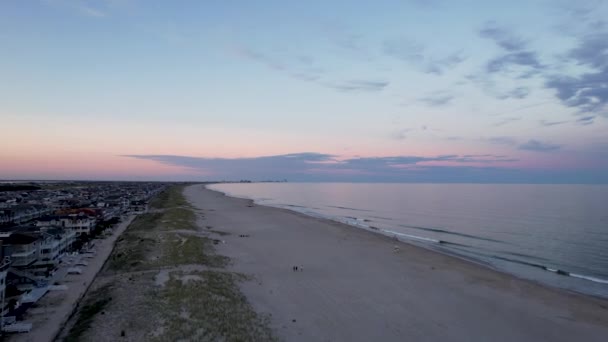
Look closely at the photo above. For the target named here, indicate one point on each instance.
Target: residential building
(22, 213)
(5, 263)
(79, 223)
(22, 248)
(6, 217)
(55, 242)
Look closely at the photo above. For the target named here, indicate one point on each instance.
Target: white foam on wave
(580, 276)
(593, 279)
(414, 237)
(352, 221)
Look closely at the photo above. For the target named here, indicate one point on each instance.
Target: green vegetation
(210, 307)
(196, 301)
(179, 218)
(170, 198)
(135, 243)
(155, 240)
(93, 305)
(184, 250)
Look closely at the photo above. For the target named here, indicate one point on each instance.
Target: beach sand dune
(356, 286)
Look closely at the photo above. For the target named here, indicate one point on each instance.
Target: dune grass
(210, 307)
(170, 198)
(197, 305)
(93, 305)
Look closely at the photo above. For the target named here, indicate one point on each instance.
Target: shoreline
(437, 249)
(545, 301)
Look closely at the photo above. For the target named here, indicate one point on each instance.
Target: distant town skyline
(393, 91)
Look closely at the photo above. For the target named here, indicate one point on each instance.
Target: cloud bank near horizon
(320, 167)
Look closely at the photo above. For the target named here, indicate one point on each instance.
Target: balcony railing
(23, 254)
(5, 264)
(23, 261)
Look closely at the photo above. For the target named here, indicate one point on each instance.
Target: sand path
(355, 287)
(54, 309)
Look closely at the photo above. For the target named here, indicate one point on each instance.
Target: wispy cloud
(438, 99)
(488, 84)
(504, 63)
(352, 43)
(502, 37)
(414, 53)
(405, 49)
(516, 53)
(349, 43)
(583, 15)
(516, 93)
(258, 57)
(442, 64)
(587, 92)
(508, 141)
(302, 68)
(523, 108)
(547, 123)
(359, 85)
(507, 121)
(586, 120)
(539, 146)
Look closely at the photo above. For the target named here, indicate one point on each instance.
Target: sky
(372, 91)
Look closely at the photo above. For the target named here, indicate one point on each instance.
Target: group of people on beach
(297, 268)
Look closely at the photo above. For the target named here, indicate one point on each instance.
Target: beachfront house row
(21, 248)
(80, 224)
(19, 214)
(49, 221)
(36, 251)
(54, 243)
(4, 266)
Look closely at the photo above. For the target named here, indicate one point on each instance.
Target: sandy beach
(54, 309)
(354, 285)
(204, 266)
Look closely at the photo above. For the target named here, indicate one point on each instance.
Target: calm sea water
(555, 234)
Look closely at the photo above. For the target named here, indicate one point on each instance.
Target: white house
(80, 224)
(55, 242)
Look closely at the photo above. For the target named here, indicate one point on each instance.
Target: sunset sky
(419, 90)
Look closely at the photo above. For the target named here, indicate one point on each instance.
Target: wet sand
(355, 285)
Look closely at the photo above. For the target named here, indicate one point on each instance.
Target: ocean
(553, 234)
